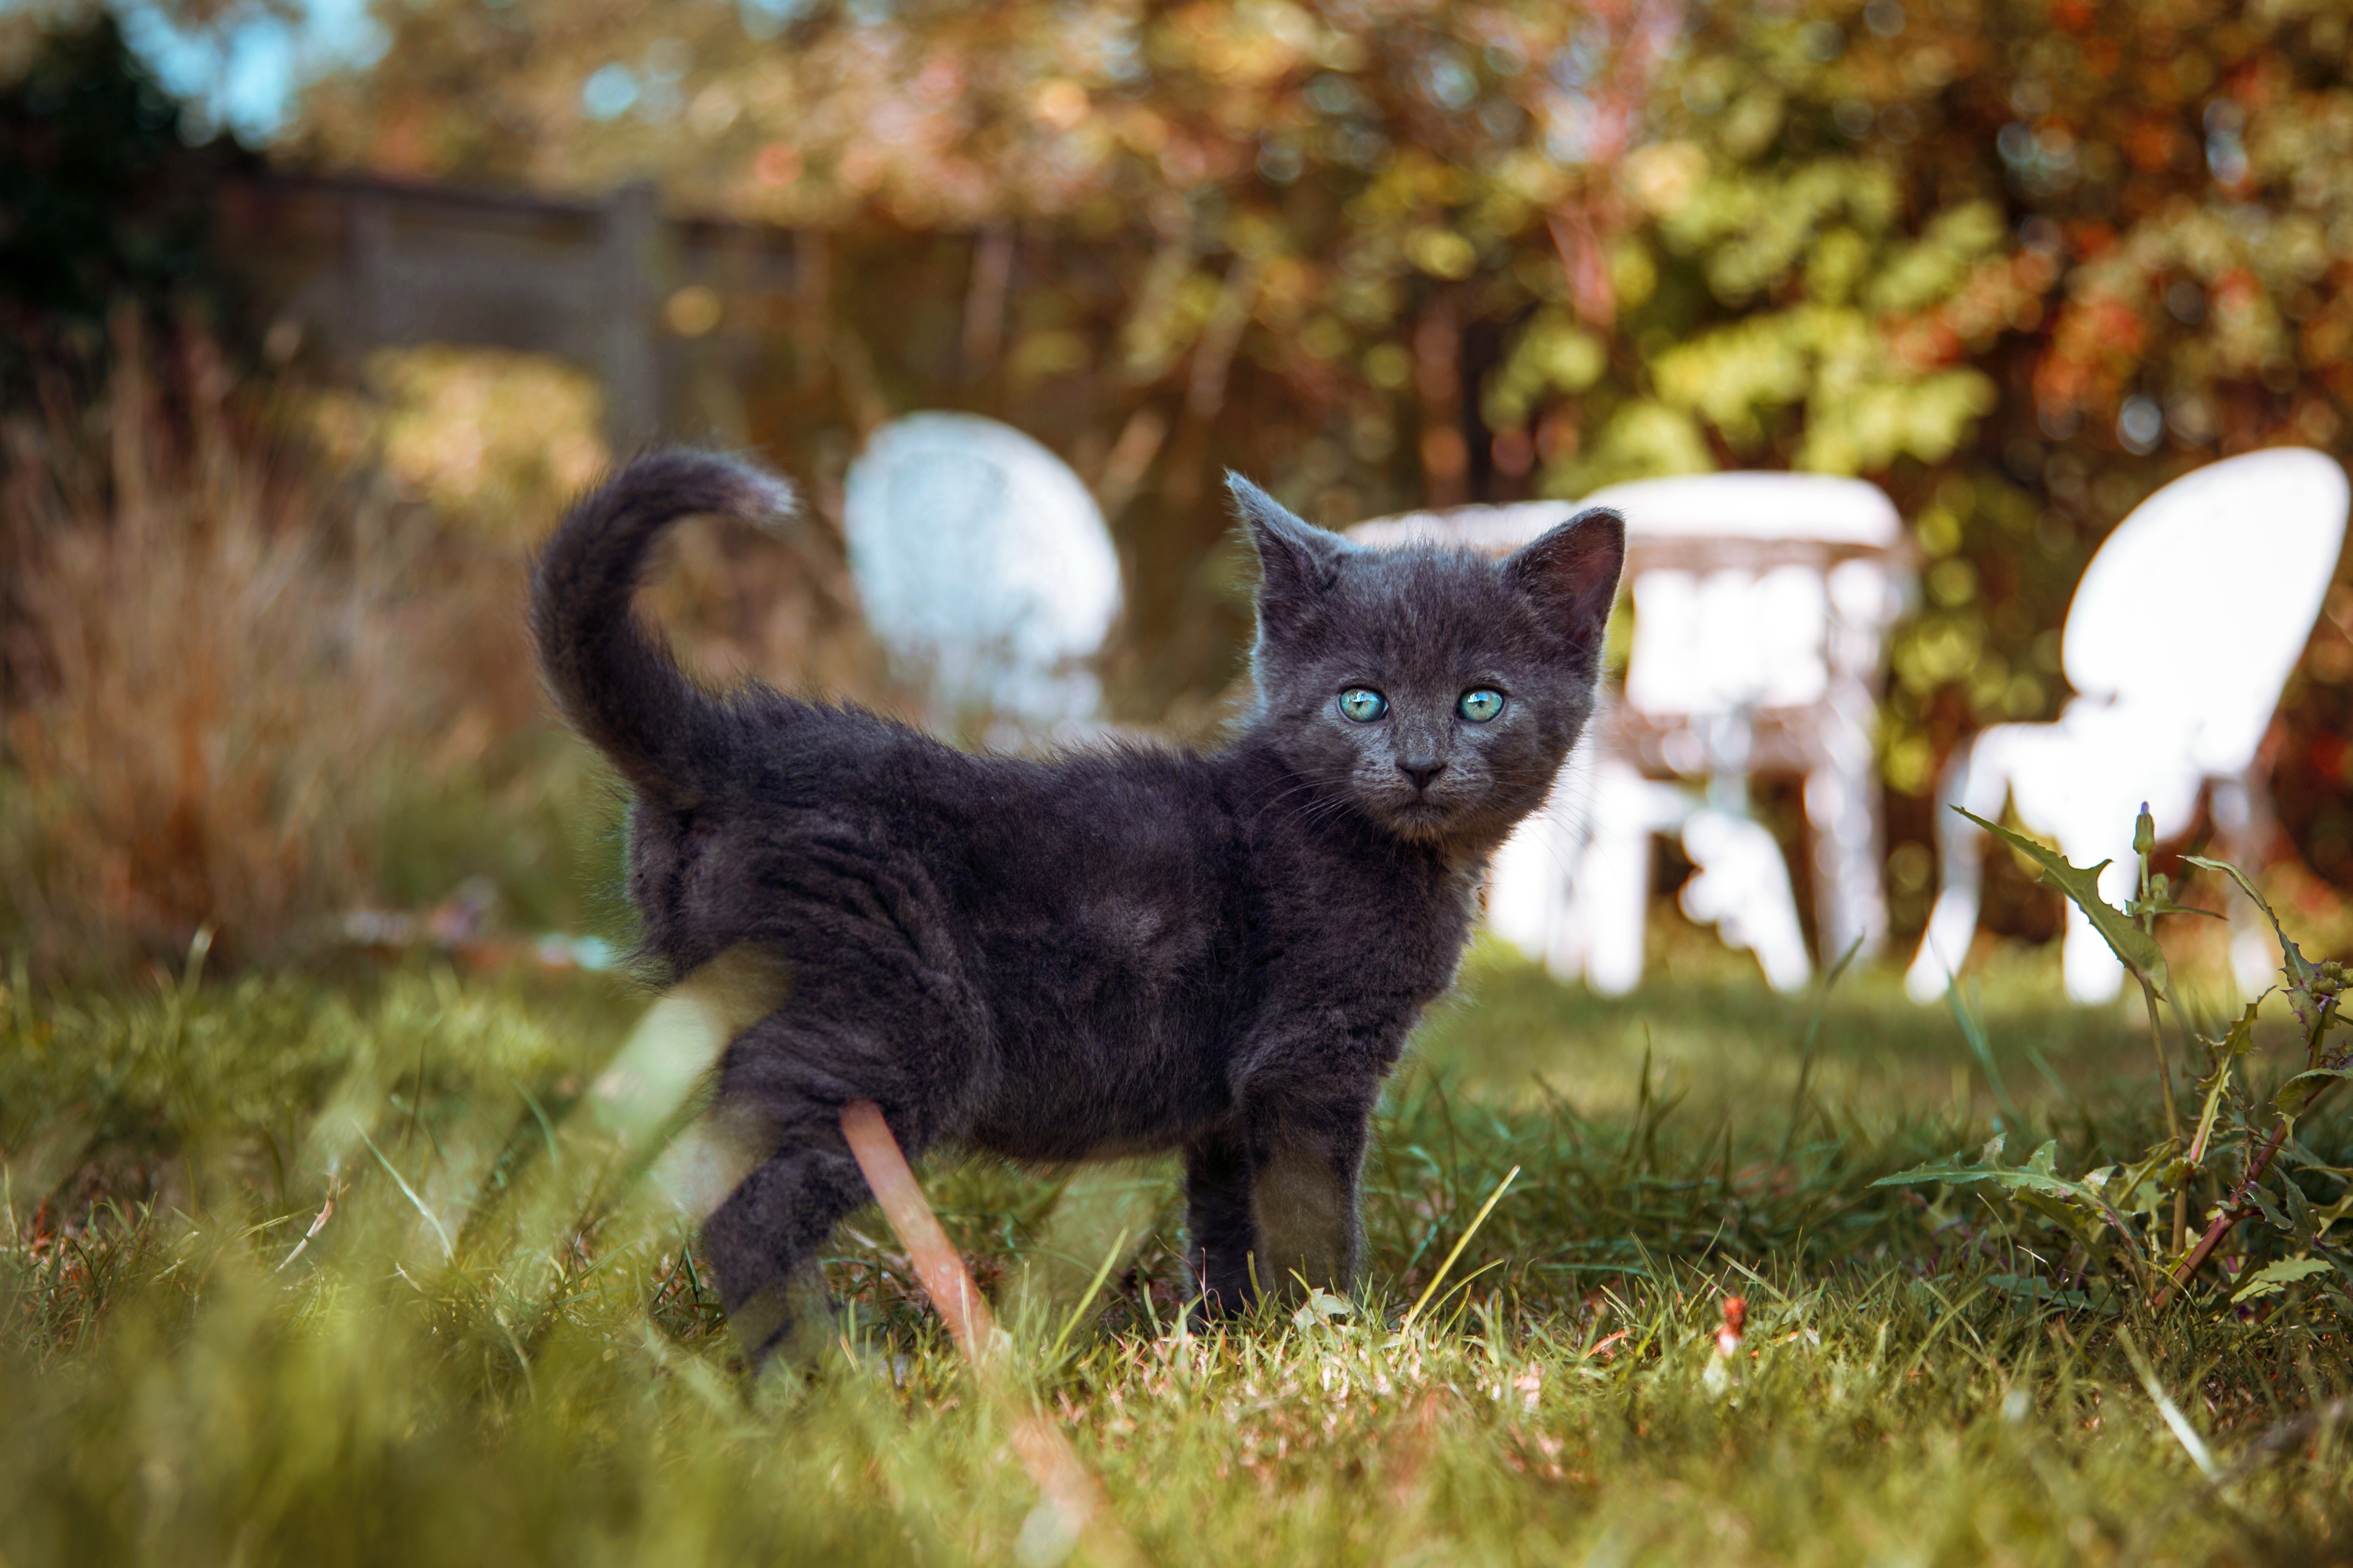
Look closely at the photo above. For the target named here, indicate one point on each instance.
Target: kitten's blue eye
(1363, 704)
(1481, 705)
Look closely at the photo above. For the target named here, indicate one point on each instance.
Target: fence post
(628, 262)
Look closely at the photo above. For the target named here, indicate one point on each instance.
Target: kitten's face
(1439, 691)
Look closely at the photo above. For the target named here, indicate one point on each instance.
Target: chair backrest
(1712, 642)
(2198, 607)
(1818, 507)
(1492, 529)
(1720, 624)
(982, 564)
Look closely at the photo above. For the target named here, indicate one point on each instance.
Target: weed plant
(296, 1273)
(2126, 1225)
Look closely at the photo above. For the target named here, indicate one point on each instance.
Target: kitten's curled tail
(613, 679)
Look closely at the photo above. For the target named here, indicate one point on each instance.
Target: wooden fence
(613, 287)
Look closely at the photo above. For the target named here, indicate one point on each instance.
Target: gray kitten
(1105, 954)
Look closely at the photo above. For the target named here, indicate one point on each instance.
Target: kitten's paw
(792, 1322)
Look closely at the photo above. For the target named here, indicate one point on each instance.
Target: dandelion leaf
(2075, 1205)
(2263, 1200)
(2300, 971)
(2298, 1091)
(2136, 947)
(2273, 1278)
(2239, 1037)
(2299, 1213)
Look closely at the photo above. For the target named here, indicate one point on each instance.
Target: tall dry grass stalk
(258, 671)
(217, 665)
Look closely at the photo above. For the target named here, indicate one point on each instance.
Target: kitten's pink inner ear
(1572, 572)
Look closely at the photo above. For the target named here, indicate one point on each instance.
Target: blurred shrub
(490, 440)
(234, 684)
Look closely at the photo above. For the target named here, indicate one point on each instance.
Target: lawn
(323, 1272)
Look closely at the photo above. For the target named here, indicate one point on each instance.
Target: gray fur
(1108, 954)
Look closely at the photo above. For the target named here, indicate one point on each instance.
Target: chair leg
(1613, 874)
(1613, 884)
(1849, 906)
(2243, 821)
(1960, 850)
(2092, 972)
(1743, 888)
(1528, 897)
(1952, 926)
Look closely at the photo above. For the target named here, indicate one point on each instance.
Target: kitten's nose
(1420, 770)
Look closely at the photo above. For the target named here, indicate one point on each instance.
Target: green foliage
(2018, 263)
(2077, 1209)
(2236, 1126)
(1836, 225)
(2273, 1278)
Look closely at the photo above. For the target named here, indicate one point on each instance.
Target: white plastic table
(1761, 602)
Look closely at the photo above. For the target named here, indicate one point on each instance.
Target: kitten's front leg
(1274, 1201)
(1309, 1159)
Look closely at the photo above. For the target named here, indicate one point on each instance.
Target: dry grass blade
(2175, 1422)
(1071, 1488)
(1439, 1277)
(1094, 1287)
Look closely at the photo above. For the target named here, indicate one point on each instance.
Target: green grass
(508, 1352)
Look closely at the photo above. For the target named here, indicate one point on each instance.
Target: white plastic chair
(984, 567)
(2180, 636)
(1760, 602)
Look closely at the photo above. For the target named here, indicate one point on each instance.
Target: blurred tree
(102, 198)
(2019, 260)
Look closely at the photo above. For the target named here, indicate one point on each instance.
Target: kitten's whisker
(1297, 785)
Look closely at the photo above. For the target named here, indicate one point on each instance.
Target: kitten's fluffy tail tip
(715, 482)
(765, 497)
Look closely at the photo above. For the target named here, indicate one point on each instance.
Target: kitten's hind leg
(764, 1243)
(1221, 1241)
(794, 1072)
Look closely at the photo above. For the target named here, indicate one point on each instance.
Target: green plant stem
(2238, 1207)
(2143, 840)
(2172, 1113)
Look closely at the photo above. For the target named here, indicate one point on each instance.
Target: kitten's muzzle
(1422, 771)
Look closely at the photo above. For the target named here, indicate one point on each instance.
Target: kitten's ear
(1571, 573)
(1297, 561)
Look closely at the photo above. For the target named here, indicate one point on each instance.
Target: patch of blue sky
(244, 70)
(609, 92)
(766, 18)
